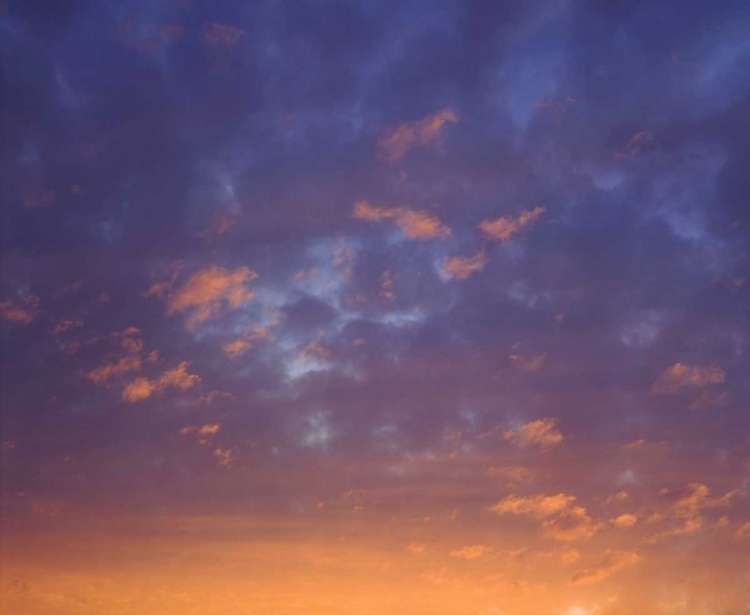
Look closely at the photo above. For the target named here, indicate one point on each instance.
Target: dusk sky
(375, 307)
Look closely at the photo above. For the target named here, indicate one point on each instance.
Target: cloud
(687, 506)
(540, 506)
(417, 225)
(681, 376)
(397, 142)
(614, 562)
(572, 524)
(473, 552)
(110, 370)
(625, 520)
(416, 548)
(364, 211)
(138, 390)
(420, 225)
(206, 292)
(239, 346)
(504, 228)
(142, 388)
(225, 458)
(542, 432)
(66, 324)
(743, 531)
(562, 520)
(24, 311)
(462, 267)
(209, 429)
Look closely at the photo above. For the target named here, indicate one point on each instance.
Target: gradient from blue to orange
(375, 308)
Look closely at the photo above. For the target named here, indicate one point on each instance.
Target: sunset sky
(378, 307)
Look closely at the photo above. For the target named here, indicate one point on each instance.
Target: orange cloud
(462, 267)
(239, 346)
(687, 505)
(540, 506)
(562, 520)
(178, 378)
(504, 228)
(572, 524)
(110, 370)
(207, 291)
(743, 531)
(364, 211)
(473, 552)
(625, 520)
(681, 376)
(225, 458)
(414, 224)
(24, 311)
(210, 429)
(613, 563)
(542, 432)
(420, 225)
(65, 324)
(397, 142)
(142, 388)
(138, 390)
(415, 548)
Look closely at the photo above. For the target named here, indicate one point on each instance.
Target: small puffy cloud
(625, 520)
(221, 35)
(397, 142)
(743, 531)
(239, 346)
(504, 228)
(417, 225)
(23, 311)
(178, 378)
(463, 267)
(542, 432)
(364, 211)
(614, 561)
(206, 293)
(210, 429)
(421, 225)
(110, 370)
(573, 523)
(472, 552)
(225, 458)
(66, 324)
(680, 376)
(138, 390)
(540, 506)
(142, 388)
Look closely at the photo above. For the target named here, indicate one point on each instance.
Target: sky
(425, 307)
